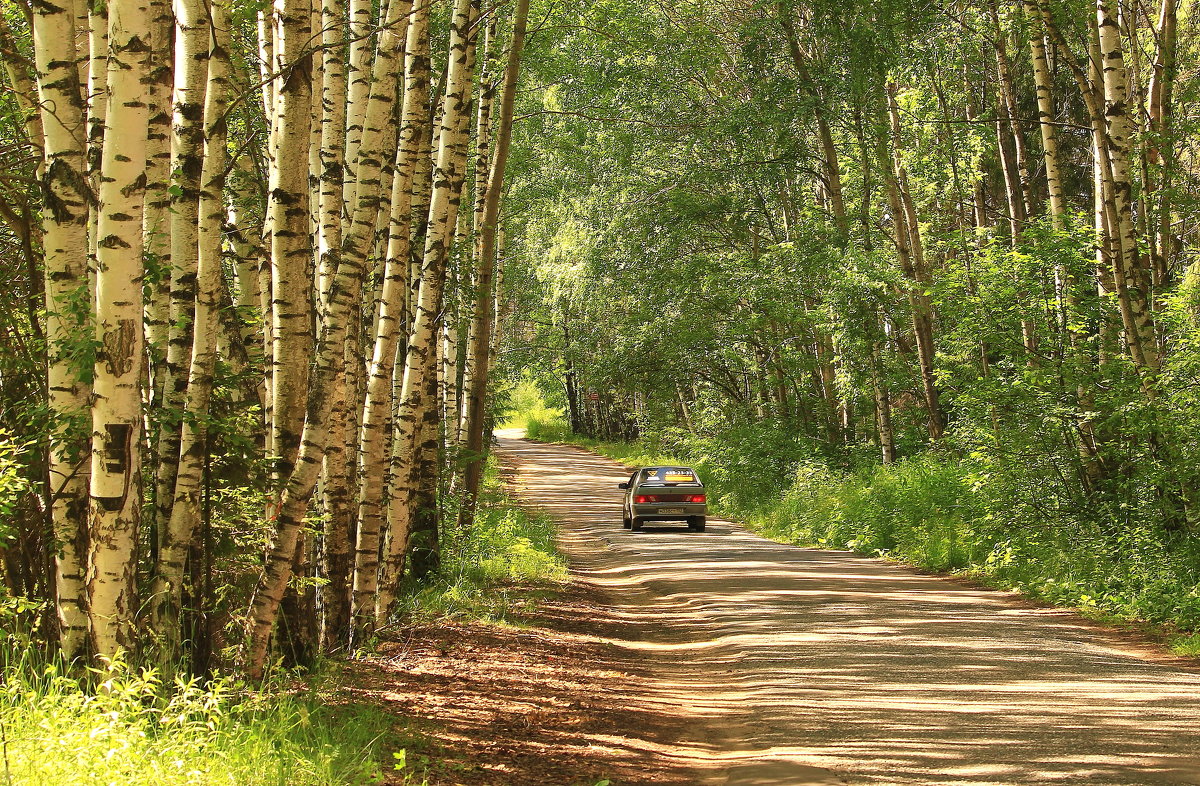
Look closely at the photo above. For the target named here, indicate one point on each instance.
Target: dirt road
(796, 666)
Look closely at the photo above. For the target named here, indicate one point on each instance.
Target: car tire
(625, 522)
(696, 524)
(636, 524)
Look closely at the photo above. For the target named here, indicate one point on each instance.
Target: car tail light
(696, 498)
(642, 499)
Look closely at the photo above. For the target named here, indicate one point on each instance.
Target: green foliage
(132, 729)
(488, 568)
(15, 483)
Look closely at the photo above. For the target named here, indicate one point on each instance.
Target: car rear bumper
(669, 511)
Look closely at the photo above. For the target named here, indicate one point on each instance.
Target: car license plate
(670, 510)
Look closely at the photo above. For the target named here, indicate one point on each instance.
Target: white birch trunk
(481, 332)
(376, 142)
(67, 196)
(156, 232)
(418, 395)
(1130, 283)
(185, 510)
(192, 39)
(409, 209)
(288, 218)
(116, 410)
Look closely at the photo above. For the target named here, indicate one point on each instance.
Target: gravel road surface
(799, 666)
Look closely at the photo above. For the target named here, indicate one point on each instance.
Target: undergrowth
(493, 570)
(122, 725)
(943, 513)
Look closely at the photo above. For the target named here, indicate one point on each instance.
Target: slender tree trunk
(288, 216)
(484, 307)
(1130, 283)
(368, 169)
(67, 197)
(192, 43)
(116, 411)
(345, 292)
(415, 147)
(1161, 145)
(420, 372)
(912, 258)
(185, 516)
(833, 172)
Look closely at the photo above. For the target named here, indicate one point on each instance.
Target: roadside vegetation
(501, 564)
(127, 724)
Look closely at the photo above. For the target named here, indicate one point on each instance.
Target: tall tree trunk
(375, 143)
(156, 229)
(1131, 284)
(345, 292)
(192, 45)
(67, 197)
(377, 409)
(484, 316)
(910, 249)
(415, 147)
(335, 554)
(420, 372)
(116, 411)
(185, 516)
(288, 217)
(1161, 145)
(833, 171)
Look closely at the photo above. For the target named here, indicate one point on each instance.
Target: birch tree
(481, 331)
(116, 410)
(185, 510)
(67, 198)
(418, 525)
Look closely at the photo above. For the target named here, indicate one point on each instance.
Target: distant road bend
(798, 666)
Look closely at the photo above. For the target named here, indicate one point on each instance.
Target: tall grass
(130, 729)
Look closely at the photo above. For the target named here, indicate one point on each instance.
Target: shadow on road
(807, 666)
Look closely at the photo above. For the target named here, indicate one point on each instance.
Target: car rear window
(669, 475)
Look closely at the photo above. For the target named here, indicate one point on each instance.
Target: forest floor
(723, 658)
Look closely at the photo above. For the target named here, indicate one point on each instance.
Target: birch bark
(415, 522)
(484, 312)
(288, 218)
(377, 140)
(192, 40)
(378, 405)
(116, 408)
(67, 198)
(1131, 286)
(403, 246)
(420, 379)
(185, 510)
(345, 291)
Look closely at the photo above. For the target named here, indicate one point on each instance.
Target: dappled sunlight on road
(808, 666)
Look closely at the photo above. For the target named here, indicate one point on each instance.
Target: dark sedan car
(664, 494)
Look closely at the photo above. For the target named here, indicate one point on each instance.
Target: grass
(493, 571)
(133, 730)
